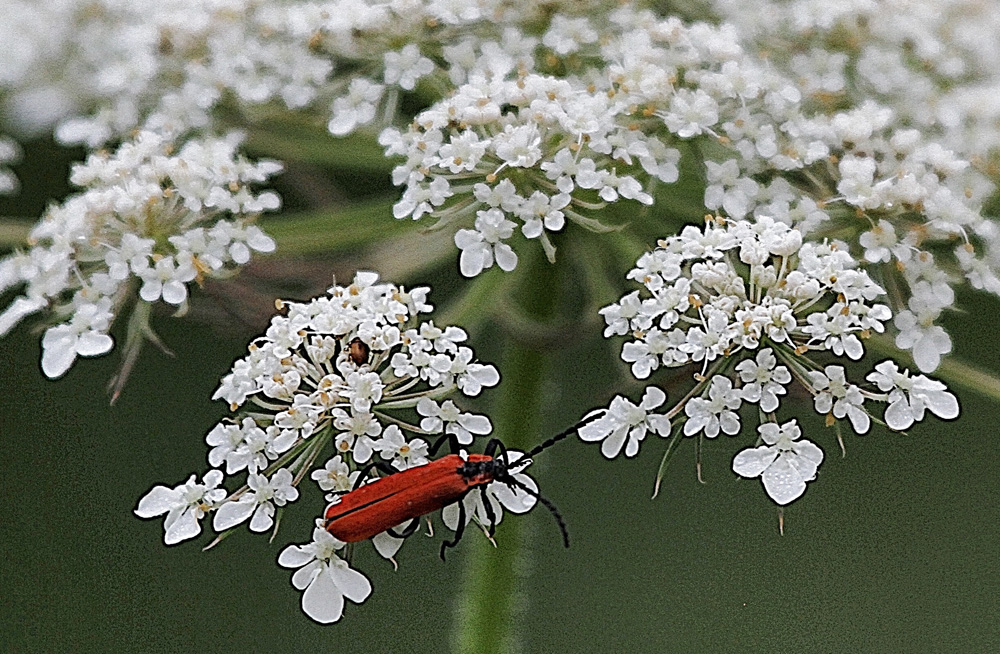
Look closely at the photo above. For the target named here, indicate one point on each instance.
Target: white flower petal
(449, 516)
(752, 461)
(305, 575)
(263, 517)
(93, 343)
(596, 430)
(783, 482)
(174, 292)
(506, 258)
(612, 445)
(231, 514)
(943, 405)
(652, 398)
(387, 545)
(515, 500)
(294, 556)
(185, 527)
(475, 424)
(157, 501)
(354, 585)
(323, 601)
(898, 415)
(58, 353)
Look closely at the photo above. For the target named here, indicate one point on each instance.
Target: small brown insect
(358, 351)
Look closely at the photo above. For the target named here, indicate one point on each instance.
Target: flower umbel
(149, 219)
(752, 306)
(333, 384)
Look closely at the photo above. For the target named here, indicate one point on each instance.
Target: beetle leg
(488, 508)
(503, 452)
(407, 531)
(491, 446)
(459, 531)
(451, 439)
(381, 466)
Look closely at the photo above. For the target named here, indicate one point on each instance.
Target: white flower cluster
(529, 149)
(735, 284)
(934, 63)
(517, 149)
(908, 91)
(737, 298)
(335, 377)
(547, 113)
(147, 219)
(97, 71)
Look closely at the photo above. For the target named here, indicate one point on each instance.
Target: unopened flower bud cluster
(350, 378)
(754, 308)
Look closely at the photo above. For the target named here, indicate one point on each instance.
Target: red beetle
(400, 497)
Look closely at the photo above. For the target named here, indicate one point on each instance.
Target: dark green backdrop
(893, 548)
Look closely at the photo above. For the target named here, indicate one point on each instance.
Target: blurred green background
(893, 548)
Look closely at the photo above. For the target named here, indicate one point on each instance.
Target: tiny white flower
(363, 389)
(84, 335)
(485, 244)
(185, 505)
(166, 279)
(259, 502)
(448, 419)
(763, 381)
(838, 397)
(625, 424)
(784, 464)
(394, 446)
(224, 439)
(358, 428)
(717, 412)
(335, 475)
(324, 576)
(909, 397)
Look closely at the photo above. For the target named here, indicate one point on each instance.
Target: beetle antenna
(587, 419)
(548, 505)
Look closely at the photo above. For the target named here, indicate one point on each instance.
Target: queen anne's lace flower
(625, 424)
(185, 505)
(146, 216)
(747, 304)
(736, 284)
(351, 372)
(910, 396)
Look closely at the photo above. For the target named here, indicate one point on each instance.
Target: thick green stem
(487, 616)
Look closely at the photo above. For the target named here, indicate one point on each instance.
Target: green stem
(969, 378)
(488, 614)
(335, 229)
